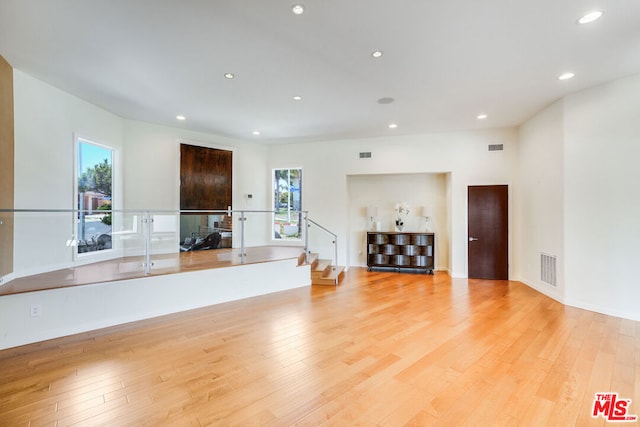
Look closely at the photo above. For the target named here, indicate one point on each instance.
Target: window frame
(280, 235)
(105, 253)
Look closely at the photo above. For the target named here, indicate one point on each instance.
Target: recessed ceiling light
(297, 98)
(229, 75)
(376, 53)
(297, 9)
(481, 116)
(590, 17)
(565, 76)
(256, 132)
(385, 100)
(181, 117)
(393, 126)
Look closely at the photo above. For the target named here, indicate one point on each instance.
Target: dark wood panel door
(205, 177)
(488, 232)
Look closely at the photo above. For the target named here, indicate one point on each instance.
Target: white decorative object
(372, 213)
(425, 212)
(402, 210)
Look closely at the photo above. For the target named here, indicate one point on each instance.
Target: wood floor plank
(382, 348)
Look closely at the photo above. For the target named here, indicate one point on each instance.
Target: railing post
(306, 237)
(242, 220)
(147, 244)
(335, 254)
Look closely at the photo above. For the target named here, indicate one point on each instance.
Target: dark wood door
(205, 177)
(488, 232)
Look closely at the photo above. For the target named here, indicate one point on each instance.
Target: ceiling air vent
(365, 155)
(496, 147)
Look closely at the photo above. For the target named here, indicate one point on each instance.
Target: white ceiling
(444, 62)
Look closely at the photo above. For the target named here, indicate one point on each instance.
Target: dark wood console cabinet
(399, 250)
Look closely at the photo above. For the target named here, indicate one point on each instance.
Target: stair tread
(311, 259)
(327, 276)
(322, 264)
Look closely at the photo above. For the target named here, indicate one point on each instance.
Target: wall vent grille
(496, 147)
(365, 155)
(548, 268)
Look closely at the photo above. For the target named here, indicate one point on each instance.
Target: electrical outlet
(36, 310)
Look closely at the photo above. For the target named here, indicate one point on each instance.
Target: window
(94, 194)
(287, 204)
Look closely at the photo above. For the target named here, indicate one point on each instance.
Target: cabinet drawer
(420, 239)
(410, 250)
(390, 249)
(378, 259)
(421, 261)
(425, 250)
(378, 239)
(400, 239)
(401, 260)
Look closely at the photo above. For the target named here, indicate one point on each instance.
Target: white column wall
(46, 120)
(540, 198)
(602, 199)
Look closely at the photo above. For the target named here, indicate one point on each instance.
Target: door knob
(472, 239)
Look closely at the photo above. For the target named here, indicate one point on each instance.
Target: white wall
(146, 176)
(418, 190)
(146, 172)
(78, 309)
(46, 120)
(577, 198)
(540, 198)
(326, 166)
(602, 199)
(152, 173)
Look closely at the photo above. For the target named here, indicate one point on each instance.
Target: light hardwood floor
(380, 349)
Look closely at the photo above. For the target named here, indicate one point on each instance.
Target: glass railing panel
(182, 240)
(162, 237)
(43, 241)
(128, 232)
(79, 247)
(58, 248)
(201, 230)
(260, 230)
(288, 225)
(322, 242)
(129, 242)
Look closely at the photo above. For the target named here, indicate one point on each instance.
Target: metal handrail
(323, 228)
(335, 244)
(174, 211)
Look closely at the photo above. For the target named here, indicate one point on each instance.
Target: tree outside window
(95, 188)
(287, 204)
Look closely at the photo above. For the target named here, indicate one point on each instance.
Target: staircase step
(325, 274)
(311, 259)
(318, 268)
(301, 259)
